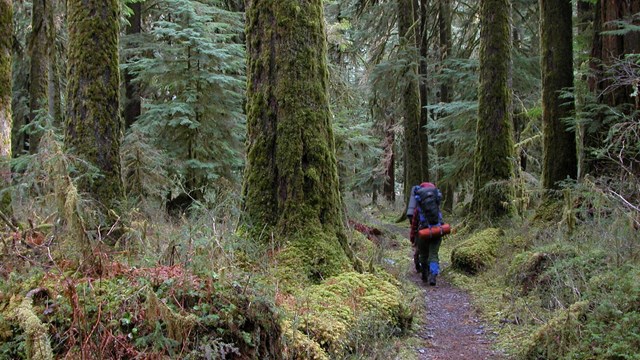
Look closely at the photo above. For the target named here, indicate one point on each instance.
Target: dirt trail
(452, 329)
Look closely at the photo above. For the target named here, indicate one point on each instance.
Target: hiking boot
(432, 279)
(425, 274)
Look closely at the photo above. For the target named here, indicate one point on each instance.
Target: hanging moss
(93, 127)
(494, 155)
(291, 184)
(560, 157)
(6, 35)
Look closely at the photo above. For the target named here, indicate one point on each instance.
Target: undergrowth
(181, 286)
(564, 285)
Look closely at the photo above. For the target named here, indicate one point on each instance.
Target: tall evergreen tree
(93, 128)
(415, 151)
(6, 36)
(291, 186)
(560, 157)
(39, 43)
(493, 159)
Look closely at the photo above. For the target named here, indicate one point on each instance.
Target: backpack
(428, 201)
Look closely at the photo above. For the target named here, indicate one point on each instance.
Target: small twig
(8, 222)
(625, 201)
(95, 326)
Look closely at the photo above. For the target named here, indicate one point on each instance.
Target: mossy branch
(37, 340)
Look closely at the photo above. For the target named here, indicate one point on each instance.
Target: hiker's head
(427, 185)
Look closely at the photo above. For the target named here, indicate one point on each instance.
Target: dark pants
(428, 250)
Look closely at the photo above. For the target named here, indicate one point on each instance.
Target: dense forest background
(208, 179)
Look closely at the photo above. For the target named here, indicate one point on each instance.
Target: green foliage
(190, 64)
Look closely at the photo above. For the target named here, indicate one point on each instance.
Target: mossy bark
(93, 126)
(493, 161)
(422, 42)
(446, 150)
(560, 157)
(415, 151)
(37, 342)
(291, 187)
(39, 42)
(389, 185)
(6, 34)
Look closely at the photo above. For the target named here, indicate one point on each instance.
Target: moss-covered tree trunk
(93, 126)
(133, 105)
(444, 32)
(6, 34)
(493, 160)
(389, 185)
(560, 156)
(414, 153)
(39, 43)
(422, 42)
(291, 188)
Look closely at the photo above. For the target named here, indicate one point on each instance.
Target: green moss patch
(309, 259)
(478, 252)
(341, 310)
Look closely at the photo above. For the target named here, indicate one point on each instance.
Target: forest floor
(452, 328)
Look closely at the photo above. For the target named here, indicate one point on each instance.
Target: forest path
(452, 329)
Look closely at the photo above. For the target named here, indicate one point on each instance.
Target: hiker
(424, 212)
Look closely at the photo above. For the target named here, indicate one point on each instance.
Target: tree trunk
(444, 28)
(93, 127)
(133, 105)
(606, 50)
(41, 28)
(560, 157)
(388, 187)
(423, 46)
(415, 172)
(6, 35)
(493, 161)
(291, 188)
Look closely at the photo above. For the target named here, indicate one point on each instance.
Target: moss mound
(478, 252)
(327, 320)
(526, 270)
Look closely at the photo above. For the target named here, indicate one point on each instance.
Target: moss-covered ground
(554, 291)
(185, 289)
